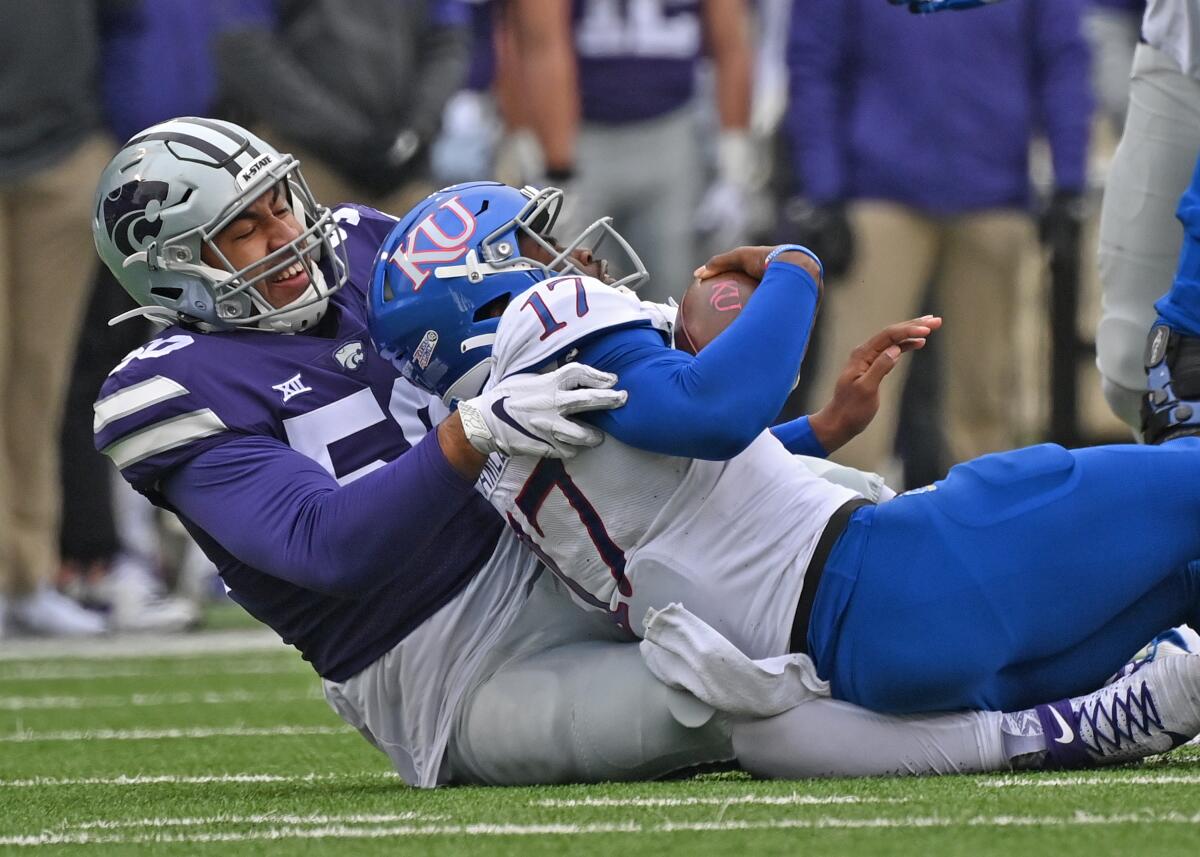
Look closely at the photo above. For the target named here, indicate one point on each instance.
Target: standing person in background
(610, 87)
(51, 147)
(355, 90)
(917, 148)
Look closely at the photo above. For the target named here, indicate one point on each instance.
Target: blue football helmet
(453, 262)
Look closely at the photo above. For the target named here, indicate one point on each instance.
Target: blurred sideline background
(950, 164)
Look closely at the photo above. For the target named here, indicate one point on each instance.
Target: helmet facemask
(239, 302)
(537, 220)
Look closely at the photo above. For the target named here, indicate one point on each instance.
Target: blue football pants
(1022, 577)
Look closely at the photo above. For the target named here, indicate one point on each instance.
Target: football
(709, 306)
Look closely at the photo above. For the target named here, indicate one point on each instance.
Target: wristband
(797, 248)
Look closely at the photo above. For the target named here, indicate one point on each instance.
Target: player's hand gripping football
(856, 394)
(752, 261)
(528, 414)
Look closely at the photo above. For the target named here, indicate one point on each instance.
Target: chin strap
(157, 314)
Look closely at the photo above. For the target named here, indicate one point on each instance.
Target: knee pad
(1125, 403)
(1171, 407)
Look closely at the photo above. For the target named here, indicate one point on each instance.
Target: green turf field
(135, 749)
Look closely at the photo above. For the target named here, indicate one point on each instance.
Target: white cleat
(136, 601)
(1153, 709)
(50, 613)
(1174, 641)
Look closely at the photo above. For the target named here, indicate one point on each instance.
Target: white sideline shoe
(50, 613)
(136, 602)
(1153, 709)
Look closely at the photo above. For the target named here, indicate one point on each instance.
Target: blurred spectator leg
(48, 265)
(87, 532)
(921, 430)
(648, 175)
(897, 250)
(1139, 235)
(977, 288)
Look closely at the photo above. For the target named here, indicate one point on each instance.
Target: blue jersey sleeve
(714, 404)
(281, 513)
(798, 438)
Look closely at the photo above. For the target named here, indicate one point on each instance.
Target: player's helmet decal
(131, 214)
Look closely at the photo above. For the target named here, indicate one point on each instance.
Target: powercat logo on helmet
(247, 176)
(131, 214)
(416, 263)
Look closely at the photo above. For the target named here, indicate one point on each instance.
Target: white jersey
(629, 529)
(1173, 26)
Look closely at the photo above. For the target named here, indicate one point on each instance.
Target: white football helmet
(167, 194)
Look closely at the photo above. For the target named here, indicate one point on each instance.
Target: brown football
(708, 307)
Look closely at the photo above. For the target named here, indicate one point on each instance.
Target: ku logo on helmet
(131, 215)
(417, 263)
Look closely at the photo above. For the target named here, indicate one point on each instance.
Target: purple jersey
(189, 399)
(637, 58)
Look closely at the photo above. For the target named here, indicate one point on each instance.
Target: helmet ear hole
(493, 308)
(171, 293)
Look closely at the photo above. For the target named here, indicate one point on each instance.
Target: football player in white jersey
(689, 500)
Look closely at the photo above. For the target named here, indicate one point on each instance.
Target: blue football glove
(921, 7)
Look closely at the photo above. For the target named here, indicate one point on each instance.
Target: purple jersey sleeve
(280, 512)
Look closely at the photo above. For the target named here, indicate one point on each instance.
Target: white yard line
(266, 818)
(190, 668)
(383, 831)
(1016, 781)
(761, 800)
(44, 703)
(143, 645)
(27, 737)
(189, 780)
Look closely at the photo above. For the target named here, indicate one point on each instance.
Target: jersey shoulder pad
(153, 412)
(553, 317)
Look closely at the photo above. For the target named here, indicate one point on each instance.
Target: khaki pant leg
(978, 290)
(894, 260)
(52, 263)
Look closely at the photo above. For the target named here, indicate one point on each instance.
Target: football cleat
(1151, 710)
(1174, 641)
(1171, 406)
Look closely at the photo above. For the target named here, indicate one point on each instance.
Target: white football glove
(724, 210)
(527, 414)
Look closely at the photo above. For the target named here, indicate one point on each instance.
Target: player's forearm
(713, 405)
(546, 69)
(445, 57)
(728, 31)
(817, 59)
(281, 513)
(1065, 101)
